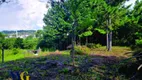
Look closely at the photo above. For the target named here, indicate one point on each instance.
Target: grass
(116, 51)
(8, 55)
(21, 54)
(99, 65)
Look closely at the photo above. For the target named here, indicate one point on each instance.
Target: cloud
(22, 15)
(25, 14)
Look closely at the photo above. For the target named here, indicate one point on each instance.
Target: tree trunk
(73, 43)
(73, 51)
(109, 36)
(107, 41)
(2, 55)
(110, 41)
(86, 41)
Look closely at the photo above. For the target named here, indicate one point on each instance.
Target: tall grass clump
(82, 50)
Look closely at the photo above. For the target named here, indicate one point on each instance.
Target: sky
(24, 14)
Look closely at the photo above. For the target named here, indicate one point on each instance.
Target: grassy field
(20, 53)
(116, 51)
(99, 65)
(15, 54)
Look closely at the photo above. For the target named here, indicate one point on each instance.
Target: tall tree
(109, 18)
(136, 20)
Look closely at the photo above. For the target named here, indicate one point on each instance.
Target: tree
(18, 43)
(2, 38)
(137, 22)
(39, 33)
(80, 18)
(66, 17)
(30, 43)
(109, 18)
(9, 43)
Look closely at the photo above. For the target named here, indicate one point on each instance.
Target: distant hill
(19, 31)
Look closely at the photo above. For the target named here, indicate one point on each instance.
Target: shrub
(92, 45)
(98, 45)
(81, 50)
(30, 43)
(139, 43)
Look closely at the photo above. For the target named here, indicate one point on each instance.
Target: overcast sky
(24, 14)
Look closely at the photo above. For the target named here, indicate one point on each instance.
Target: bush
(98, 45)
(30, 43)
(139, 43)
(81, 50)
(92, 45)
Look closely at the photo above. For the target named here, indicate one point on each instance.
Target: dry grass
(116, 51)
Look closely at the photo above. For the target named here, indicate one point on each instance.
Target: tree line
(107, 22)
(22, 43)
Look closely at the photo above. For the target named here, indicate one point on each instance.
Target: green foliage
(15, 51)
(30, 43)
(39, 34)
(138, 34)
(85, 17)
(2, 37)
(9, 43)
(100, 31)
(82, 50)
(64, 18)
(85, 34)
(139, 43)
(18, 43)
(42, 44)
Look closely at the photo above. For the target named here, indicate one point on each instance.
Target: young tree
(9, 43)
(66, 17)
(2, 38)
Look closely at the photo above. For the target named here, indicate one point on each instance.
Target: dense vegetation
(90, 21)
(85, 27)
